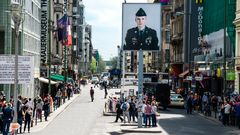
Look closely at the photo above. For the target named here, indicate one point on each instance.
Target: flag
(69, 34)
(62, 28)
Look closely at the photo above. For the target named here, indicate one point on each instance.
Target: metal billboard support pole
(225, 50)
(140, 85)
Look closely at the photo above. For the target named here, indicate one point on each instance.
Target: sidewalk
(41, 125)
(216, 120)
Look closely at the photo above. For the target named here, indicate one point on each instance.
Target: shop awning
(58, 77)
(183, 74)
(44, 80)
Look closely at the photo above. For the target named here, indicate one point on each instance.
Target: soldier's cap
(141, 12)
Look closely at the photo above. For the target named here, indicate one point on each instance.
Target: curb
(140, 130)
(210, 118)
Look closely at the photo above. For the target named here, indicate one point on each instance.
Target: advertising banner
(141, 26)
(25, 69)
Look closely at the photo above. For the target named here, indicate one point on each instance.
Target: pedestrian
(105, 89)
(237, 109)
(154, 112)
(118, 111)
(143, 112)
(39, 106)
(27, 118)
(125, 108)
(46, 109)
(21, 117)
(92, 93)
(148, 113)
(7, 118)
(58, 97)
(1, 117)
(227, 108)
(69, 91)
(189, 103)
(132, 110)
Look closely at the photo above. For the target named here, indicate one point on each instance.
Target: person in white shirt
(154, 111)
(227, 108)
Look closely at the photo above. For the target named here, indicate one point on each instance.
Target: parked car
(176, 100)
(95, 80)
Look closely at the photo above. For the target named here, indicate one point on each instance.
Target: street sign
(189, 78)
(25, 69)
(198, 78)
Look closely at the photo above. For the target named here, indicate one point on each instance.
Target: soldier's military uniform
(145, 39)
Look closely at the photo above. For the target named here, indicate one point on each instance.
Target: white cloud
(105, 16)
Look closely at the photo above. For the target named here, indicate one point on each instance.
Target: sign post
(140, 86)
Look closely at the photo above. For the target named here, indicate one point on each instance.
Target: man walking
(92, 94)
(119, 111)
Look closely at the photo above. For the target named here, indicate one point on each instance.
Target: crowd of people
(224, 108)
(127, 110)
(30, 110)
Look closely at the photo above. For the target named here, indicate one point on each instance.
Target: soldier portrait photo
(141, 36)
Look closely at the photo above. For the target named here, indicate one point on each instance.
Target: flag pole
(65, 48)
(49, 47)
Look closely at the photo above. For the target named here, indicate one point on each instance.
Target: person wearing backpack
(132, 110)
(125, 108)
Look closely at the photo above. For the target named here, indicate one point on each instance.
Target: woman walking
(27, 118)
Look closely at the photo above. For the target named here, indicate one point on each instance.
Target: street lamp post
(16, 17)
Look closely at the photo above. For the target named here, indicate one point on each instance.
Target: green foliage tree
(101, 65)
(113, 62)
(93, 65)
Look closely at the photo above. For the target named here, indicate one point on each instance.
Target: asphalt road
(78, 118)
(177, 122)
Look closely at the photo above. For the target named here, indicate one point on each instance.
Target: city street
(83, 117)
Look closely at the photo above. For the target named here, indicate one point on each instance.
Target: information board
(25, 69)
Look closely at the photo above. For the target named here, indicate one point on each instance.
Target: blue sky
(105, 16)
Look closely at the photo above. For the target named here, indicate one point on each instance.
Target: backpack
(124, 107)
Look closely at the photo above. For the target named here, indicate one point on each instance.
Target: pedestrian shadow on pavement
(116, 133)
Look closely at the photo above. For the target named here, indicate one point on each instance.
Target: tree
(93, 65)
(101, 65)
(113, 62)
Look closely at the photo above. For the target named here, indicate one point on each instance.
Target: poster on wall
(141, 26)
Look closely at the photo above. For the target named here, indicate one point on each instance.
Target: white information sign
(25, 69)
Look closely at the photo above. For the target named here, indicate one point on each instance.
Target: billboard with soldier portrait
(141, 26)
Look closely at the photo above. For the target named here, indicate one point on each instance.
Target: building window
(168, 18)
(167, 40)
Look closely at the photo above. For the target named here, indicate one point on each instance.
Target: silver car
(177, 100)
(95, 80)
